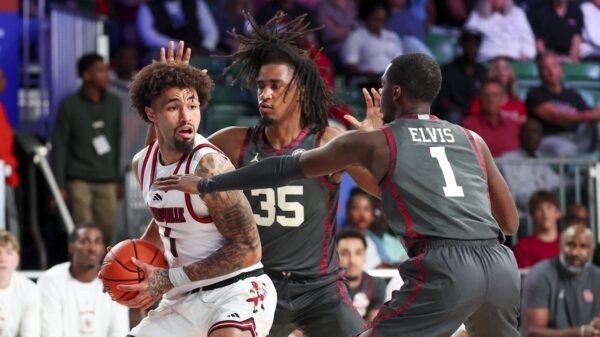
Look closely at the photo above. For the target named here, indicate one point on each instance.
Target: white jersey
(20, 308)
(71, 308)
(186, 229)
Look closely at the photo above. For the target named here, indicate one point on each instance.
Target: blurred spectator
(557, 27)
(461, 79)
(561, 111)
(338, 18)
(86, 146)
(577, 215)
(19, 296)
(370, 48)
(160, 21)
(450, 13)
(291, 7)
(7, 140)
(544, 243)
(229, 18)
(394, 249)
(500, 134)
(590, 35)
(525, 179)
(513, 108)
(505, 29)
(125, 67)
(366, 292)
(562, 295)
(126, 12)
(405, 24)
(360, 217)
(72, 300)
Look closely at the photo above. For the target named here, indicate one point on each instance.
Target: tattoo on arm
(233, 217)
(159, 283)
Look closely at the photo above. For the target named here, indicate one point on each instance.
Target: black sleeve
(535, 26)
(579, 102)
(578, 28)
(534, 99)
(271, 172)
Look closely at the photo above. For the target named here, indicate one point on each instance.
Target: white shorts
(248, 305)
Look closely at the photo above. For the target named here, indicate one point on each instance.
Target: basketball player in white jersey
(215, 285)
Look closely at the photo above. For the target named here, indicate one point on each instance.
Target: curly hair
(157, 77)
(275, 42)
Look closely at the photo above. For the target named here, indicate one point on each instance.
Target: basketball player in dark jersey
(297, 222)
(441, 191)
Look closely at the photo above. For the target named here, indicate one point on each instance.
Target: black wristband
(271, 172)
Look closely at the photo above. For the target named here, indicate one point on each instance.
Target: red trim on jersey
(188, 200)
(244, 148)
(416, 116)
(477, 152)
(274, 152)
(411, 298)
(153, 169)
(150, 147)
(403, 209)
(323, 179)
(389, 136)
(481, 161)
(247, 325)
(328, 232)
(369, 286)
(347, 301)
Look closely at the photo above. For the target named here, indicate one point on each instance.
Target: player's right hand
(593, 329)
(187, 183)
(374, 117)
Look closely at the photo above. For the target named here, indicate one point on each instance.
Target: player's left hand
(187, 183)
(155, 284)
(374, 118)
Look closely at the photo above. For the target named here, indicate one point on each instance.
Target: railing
(578, 181)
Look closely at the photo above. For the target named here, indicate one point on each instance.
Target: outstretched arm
(366, 148)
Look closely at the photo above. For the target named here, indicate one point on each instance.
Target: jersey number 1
(451, 189)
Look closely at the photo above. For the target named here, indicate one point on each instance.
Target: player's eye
(172, 108)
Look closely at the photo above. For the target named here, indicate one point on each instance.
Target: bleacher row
(230, 105)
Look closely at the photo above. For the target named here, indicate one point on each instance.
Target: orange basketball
(117, 267)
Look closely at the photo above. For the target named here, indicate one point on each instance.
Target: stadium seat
(525, 70)
(350, 96)
(443, 47)
(582, 75)
(214, 66)
(226, 95)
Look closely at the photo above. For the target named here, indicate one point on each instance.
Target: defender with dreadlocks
(297, 223)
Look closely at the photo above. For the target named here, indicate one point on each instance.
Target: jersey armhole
(244, 147)
(471, 139)
(391, 142)
(328, 179)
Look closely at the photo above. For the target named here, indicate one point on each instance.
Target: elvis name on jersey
(431, 135)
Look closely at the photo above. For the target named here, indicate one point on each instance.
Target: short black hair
(366, 8)
(357, 191)
(351, 233)
(541, 197)
(86, 61)
(417, 74)
(73, 236)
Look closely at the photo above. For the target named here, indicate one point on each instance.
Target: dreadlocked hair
(275, 42)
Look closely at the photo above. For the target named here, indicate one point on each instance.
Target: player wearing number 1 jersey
(441, 191)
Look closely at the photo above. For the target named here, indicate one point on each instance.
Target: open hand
(374, 118)
(156, 283)
(180, 57)
(187, 183)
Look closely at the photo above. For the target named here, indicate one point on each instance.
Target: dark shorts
(326, 311)
(450, 282)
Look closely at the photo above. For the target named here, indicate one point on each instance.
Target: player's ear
(396, 93)
(150, 114)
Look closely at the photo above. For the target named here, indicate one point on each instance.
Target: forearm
(271, 172)
(153, 236)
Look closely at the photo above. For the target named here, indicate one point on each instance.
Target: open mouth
(186, 132)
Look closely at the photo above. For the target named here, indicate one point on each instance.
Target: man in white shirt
(590, 35)
(19, 296)
(73, 304)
